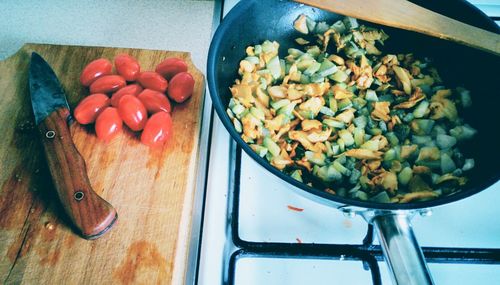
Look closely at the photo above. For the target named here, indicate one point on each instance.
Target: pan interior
(251, 22)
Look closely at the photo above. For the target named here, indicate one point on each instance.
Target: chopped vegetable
(447, 164)
(445, 141)
(340, 114)
(469, 164)
(405, 176)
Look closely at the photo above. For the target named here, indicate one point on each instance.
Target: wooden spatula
(406, 15)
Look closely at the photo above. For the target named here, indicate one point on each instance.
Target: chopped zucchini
(297, 175)
(274, 67)
(464, 132)
(334, 123)
(405, 176)
(469, 164)
(447, 164)
(327, 68)
(280, 104)
(347, 137)
(317, 158)
(371, 96)
(260, 150)
(273, 148)
(339, 76)
(445, 141)
(381, 197)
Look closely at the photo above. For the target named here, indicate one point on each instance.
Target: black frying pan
(251, 22)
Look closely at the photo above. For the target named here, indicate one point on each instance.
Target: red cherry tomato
(171, 66)
(132, 89)
(158, 130)
(181, 87)
(153, 80)
(154, 101)
(127, 66)
(94, 70)
(108, 124)
(132, 112)
(90, 107)
(107, 84)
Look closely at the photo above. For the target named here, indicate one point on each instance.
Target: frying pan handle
(401, 250)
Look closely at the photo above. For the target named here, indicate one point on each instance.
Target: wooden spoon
(406, 15)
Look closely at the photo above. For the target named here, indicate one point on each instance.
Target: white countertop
(149, 24)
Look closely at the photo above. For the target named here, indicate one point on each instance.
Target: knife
(91, 215)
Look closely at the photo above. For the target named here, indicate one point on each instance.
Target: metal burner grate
(366, 252)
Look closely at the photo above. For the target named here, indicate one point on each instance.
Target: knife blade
(90, 214)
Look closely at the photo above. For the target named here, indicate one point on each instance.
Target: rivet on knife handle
(91, 214)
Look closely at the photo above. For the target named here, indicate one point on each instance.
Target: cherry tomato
(90, 107)
(181, 87)
(127, 66)
(132, 112)
(158, 130)
(154, 101)
(108, 124)
(94, 70)
(153, 80)
(171, 66)
(131, 89)
(107, 84)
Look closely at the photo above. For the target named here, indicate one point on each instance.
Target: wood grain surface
(406, 15)
(151, 189)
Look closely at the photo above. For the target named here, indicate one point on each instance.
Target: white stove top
(266, 217)
(272, 221)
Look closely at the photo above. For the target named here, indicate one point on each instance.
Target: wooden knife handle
(91, 214)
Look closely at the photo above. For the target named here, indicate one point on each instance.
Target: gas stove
(257, 230)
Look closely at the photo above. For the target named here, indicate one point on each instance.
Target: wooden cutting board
(152, 190)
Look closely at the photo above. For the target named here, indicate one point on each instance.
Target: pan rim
(217, 38)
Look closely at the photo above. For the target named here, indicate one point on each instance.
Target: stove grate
(366, 252)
